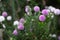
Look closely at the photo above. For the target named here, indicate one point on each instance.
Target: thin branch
(18, 10)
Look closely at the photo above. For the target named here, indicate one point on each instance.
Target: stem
(13, 9)
(44, 2)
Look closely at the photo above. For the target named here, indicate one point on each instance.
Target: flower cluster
(5, 14)
(3, 17)
(32, 19)
(20, 25)
(42, 19)
(54, 10)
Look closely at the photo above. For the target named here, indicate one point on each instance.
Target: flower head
(27, 9)
(4, 14)
(42, 18)
(57, 12)
(15, 32)
(22, 20)
(20, 26)
(45, 12)
(2, 18)
(16, 23)
(58, 37)
(51, 8)
(54, 35)
(36, 9)
(9, 18)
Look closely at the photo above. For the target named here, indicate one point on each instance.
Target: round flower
(20, 26)
(54, 35)
(4, 14)
(27, 9)
(9, 18)
(16, 23)
(56, 11)
(42, 18)
(51, 8)
(22, 20)
(45, 12)
(36, 9)
(2, 18)
(58, 37)
(15, 32)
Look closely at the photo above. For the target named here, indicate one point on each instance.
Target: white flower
(9, 18)
(54, 35)
(48, 10)
(51, 8)
(16, 23)
(2, 18)
(56, 11)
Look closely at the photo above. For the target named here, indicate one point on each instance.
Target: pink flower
(15, 32)
(36, 9)
(58, 37)
(20, 26)
(42, 18)
(45, 12)
(4, 14)
(22, 20)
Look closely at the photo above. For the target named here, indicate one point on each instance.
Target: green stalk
(13, 9)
